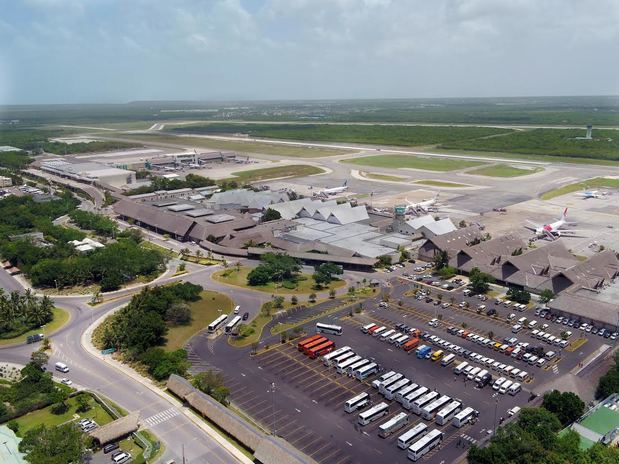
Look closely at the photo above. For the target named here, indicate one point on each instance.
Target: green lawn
(258, 324)
(412, 162)
(440, 183)
(372, 175)
(61, 317)
(596, 182)
(292, 170)
(503, 170)
(153, 246)
(203, 312)
(238, 278)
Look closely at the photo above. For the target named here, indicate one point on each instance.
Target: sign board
(108, 351)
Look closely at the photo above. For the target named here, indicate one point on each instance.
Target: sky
(116, 51)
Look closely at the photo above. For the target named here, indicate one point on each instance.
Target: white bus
(216, 324)
(366, 328)
(460, 367)
(448, 412)
(385, 335)
(365, 371)
(394, 388)
(390, 381)
(328, 328)
(400, 394)
(341, 367)
(392, 425)
(464, 417)
(341, 358)
(448, 359)
(378, 331)
(435, 406)
(401, 340)
(391, 340)
(374, 413)
(408, 400)
(426, 399)
(376, 383)
(405, 440)
(425, 444)
(232, 324)
(356, 366)
(328, 358)
(356, 403)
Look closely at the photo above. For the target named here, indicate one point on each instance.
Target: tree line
(102, 225)
(22, 312)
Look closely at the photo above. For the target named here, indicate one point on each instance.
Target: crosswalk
(555, 370)
(197, 363)
(469, 438)
(160, 417)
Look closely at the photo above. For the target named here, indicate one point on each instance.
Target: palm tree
(185, 252)
(198, 255)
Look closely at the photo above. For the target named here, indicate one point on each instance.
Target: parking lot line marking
(304, 436)
(343, 460)
(349, 443)
(311, 443)
(298, 410)
(330, 454)
(291, 433)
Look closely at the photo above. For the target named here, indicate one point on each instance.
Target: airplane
(553, 230)
(335, 190)
(585, 195)
(423, 206)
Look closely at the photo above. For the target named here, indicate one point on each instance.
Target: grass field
(412, 162)
(238, 278)
(440, 183)
(596, 182)
(503, 170)
(372, 175)
(258, 324)
(61, 317)
(203, 312)
(291, 170)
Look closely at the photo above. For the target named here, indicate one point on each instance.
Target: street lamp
(496, 405)
(273, 406)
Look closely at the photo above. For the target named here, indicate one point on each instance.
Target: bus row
(347, 362)
(316, 346)
(219, 322)
(406, 341)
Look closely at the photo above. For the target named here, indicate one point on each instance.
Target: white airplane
(553, 230)
(335, 190)
(423, 206)
(591, 194)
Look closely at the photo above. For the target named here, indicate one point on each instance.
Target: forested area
(20, 312)
(161, 183)
(95, 222)
(274, 267)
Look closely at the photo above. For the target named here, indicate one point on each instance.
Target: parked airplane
(553, 230)
(423, 206)
(591, 194)
(335, 190)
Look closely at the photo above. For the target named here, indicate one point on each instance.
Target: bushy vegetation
(479, 281)
(55, 445)
(95, 222)
(161, 364)
(324, 273)
(212, 383)
(14, 160)
(271, 215)
(533, 439)
(518, 295)
(22, 312)
(567, 406)
(274, 267)
(161, 183)
(609, 382)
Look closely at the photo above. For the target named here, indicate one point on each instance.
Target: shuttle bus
(232, 324)
(308, 340)
(385, 335)
(401, 340)
(382, 378)
(394, 388)
(426, 399)
(448, 359)
(328, 328)
(435, 406)
(341, 358)
(390, 381)
(319, 350)
(425, 444)
(448, 412)
(314, 343)
(464, 417)
(377, 332)
(374, 413)
(356, 366)
(408, 400)
(341, 367)
(365, 371)
(405, 440)
(216, 324)
(366, 328)
(329, 358)
(393, 425)
(400, 394)
(392, 339)
(358, 402)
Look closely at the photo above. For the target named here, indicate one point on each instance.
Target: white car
(66, 381)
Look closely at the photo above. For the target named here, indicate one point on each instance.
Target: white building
(90, 172)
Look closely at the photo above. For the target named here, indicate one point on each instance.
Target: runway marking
(161, 417)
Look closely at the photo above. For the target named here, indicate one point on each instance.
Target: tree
(294, 300)
(441, 259)
(271, 215)
(383, 261)
(462, 224)
(518, 295)
(479, 281)
(312, 298)
(278, 301)
(447, 272)
(54, 445)
(178, 313)
(83, 403)
(546, 296)
(39, 358)
(567, 406)
(323, 273)
(212, 383)
(332, 293)
(609, 382)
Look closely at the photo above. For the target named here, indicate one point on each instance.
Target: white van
(516, 328)
(550, 355)
(62, 367)
(514, 373)
(448, 359)
(505, 387)
(460, 367)
(523, 376)
(514, 389)
(498, 383)
(471, 375)
(532, 324)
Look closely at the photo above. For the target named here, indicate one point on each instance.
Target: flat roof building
(90, 172)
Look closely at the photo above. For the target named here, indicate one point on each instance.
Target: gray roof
(218, 218)
(291, 209)
(348, 215)
(199, 212)
(417, 222)
(246, 198)
(585, 307)
(181, 207)
(440, 227)
(166, 221)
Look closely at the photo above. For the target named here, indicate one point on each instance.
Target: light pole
(496, 405)
(273, 411)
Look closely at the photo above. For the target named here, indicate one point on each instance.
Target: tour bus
(374, 413)
(405, 440)
(464, 417)
(341, 367)
(62, 367)
(448, 412)
(385, 335)
(393, 425)
(401, 340)
(435, 406)
(448, 359)
(356, 366)
(390, 381)
(317, 351)
(460, 367)
(393, 389)
(328, 328)
(341, 358)
(376, 383)
(426, 399)
(306, 341)
(408, 400)
(217, 323)
(391, 340)
(365, 371)
(314, 343)
(400, 394)
(232, 324)
(329, 358)
(365, 328)
(377, 332)
(410, 345)
(425, 444)
(358, 402)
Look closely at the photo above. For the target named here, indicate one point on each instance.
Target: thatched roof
(116, 429)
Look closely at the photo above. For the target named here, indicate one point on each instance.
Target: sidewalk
(86, 343)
